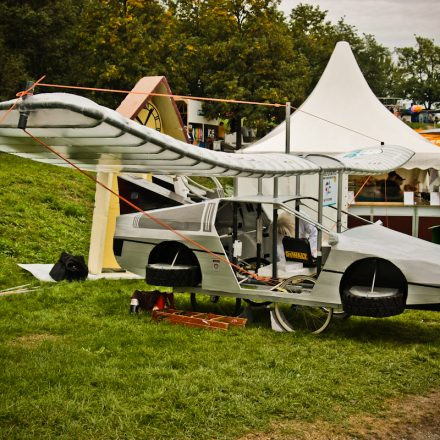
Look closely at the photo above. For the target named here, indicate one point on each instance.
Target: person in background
(221, 131)
(210, 143)
(391, 187)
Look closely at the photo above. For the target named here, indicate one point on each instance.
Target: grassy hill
(44, 210)
(75, 365)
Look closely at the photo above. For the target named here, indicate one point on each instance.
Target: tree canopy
(419, 72)
(232, 49)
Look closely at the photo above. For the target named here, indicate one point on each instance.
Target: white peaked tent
(358, 118)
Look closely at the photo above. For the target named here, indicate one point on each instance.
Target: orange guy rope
(198, 98)
(156, 220)
(360, 189)
(131, 92)
(20, 95)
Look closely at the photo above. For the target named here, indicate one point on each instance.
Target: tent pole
(259, 232)
(320, 209)
(275, 230)
(339, 214)
(297, 203)
(287, 127)
(297, 178)
(234, 230)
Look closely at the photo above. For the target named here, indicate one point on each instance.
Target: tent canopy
(342, 114)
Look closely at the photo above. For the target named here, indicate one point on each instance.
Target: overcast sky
(392, 22)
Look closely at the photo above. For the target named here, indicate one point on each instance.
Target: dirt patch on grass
(32, 341)
(412, 418)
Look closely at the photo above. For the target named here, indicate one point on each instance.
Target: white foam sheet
(41, 272)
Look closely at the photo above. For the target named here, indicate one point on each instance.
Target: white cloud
(392, 22)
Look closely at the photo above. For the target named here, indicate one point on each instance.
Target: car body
(208, 226)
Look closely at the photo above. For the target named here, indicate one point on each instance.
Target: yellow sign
(297, 255)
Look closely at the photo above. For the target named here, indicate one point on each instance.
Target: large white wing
(99, 139)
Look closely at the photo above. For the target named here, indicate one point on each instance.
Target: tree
(377, 66)
(36, 38)
(122, 41)
(419, 71)
(239, 50)
(315, 37)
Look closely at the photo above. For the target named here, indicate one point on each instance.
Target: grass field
(75, 365)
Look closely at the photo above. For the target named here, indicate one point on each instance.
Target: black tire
(174, 276)
(217, 308)
(381, 303)
(373, 287)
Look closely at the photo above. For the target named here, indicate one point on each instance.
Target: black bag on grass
(70, 268)
(144, 300)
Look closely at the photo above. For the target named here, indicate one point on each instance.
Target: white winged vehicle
(224, 246)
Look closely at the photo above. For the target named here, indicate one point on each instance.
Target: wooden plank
(198, 319)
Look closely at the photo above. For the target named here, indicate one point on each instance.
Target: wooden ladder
(198, 319)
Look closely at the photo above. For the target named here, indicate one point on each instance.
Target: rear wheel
(379, 302)
(373, 287)
(294, 317)
(178, 275)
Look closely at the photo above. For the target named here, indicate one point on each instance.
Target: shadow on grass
(257, 316)
(412, 327)
(408, 328)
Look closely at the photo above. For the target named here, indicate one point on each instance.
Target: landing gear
(292, 317)
(221, 306)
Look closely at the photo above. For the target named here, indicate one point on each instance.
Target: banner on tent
(330, 189)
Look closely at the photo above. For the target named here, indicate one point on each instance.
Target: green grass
(75, 365)
(44, 210)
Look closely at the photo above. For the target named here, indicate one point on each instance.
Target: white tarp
(41, 272)
(343, 97)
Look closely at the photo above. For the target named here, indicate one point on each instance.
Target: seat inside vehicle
(299, 259)
(298, 250)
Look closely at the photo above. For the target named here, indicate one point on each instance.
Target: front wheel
(293, 317)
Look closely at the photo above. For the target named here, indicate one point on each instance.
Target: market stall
(342, 114)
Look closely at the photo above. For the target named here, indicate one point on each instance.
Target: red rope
(20, 95)
(360, 189)
(168, 95)
(146, 214)
(198, 98)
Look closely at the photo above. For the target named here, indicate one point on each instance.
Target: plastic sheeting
(41, 272)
